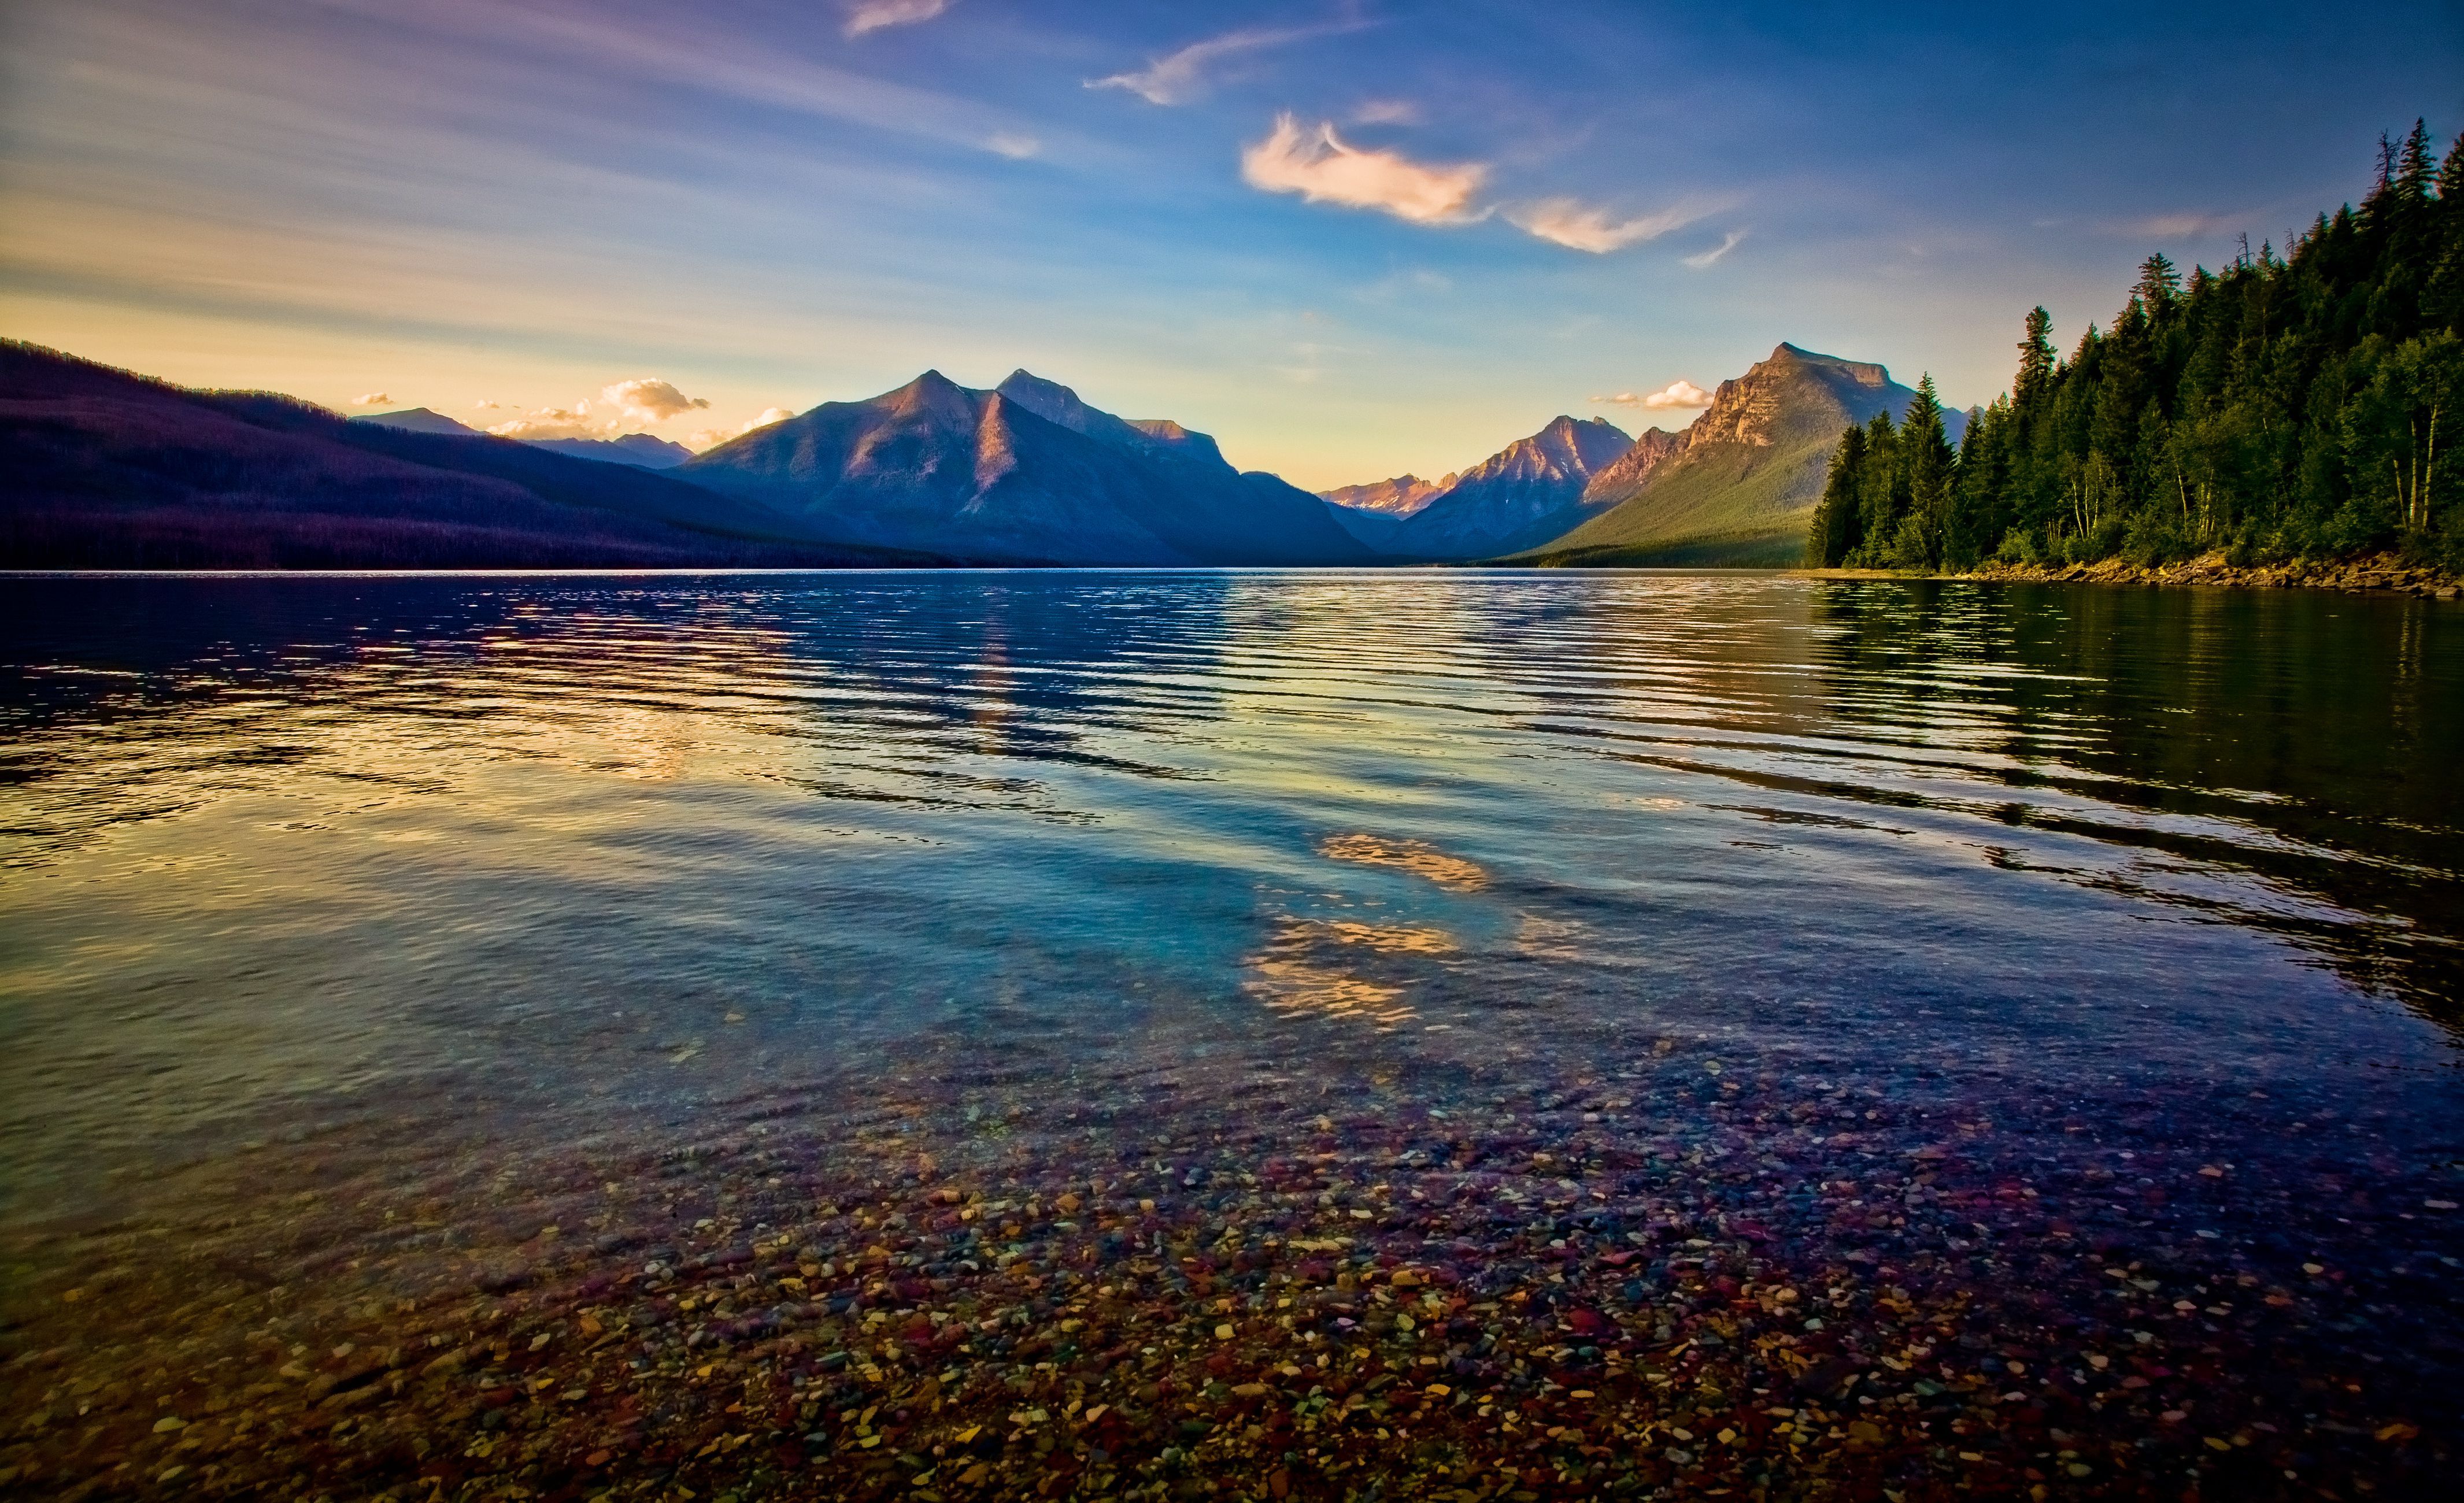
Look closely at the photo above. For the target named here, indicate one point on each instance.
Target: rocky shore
(1688, 1275)
(2369, 574)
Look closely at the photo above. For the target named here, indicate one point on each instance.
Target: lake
(970, 1034)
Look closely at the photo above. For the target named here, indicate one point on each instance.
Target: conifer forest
(2298, 404)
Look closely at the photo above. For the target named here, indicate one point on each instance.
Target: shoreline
(2383, 573)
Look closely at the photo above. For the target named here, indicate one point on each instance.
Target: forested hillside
(2289, 406)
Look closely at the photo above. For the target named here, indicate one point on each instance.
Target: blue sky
(1350, 240)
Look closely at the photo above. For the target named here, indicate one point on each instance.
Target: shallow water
(438, 887)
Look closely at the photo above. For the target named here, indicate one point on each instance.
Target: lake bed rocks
(1642, 1278)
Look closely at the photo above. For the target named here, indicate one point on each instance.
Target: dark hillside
(102, 469)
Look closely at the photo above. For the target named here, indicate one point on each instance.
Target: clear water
(439, 886)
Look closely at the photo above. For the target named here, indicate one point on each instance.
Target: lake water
(2035, 1008)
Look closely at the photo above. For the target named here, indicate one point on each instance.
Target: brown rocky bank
(2383, 572)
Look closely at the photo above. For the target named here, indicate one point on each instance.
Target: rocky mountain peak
(1652, 449)
(1401, 497)
(1049, 400)
(1863, 373)
(1766, 404)
(1159, 436)
(1567, 449)
(936, 398)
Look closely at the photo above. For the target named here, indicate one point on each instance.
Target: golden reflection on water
(1308, 968)
(1415, 856)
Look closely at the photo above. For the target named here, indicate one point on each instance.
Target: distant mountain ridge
(1524, 494)
(419, 420)
(1739, 485)
(641, 450)
(1027, 474)
(1399, 497)
(102, 469)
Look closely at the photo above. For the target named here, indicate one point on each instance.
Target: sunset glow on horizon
(1351, 240)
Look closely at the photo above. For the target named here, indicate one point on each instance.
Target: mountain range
(641, 450)
(1525, 494)
(101, 468)
(1735, 487)
(1738, 486)
(1399, 497)
(1023, 474)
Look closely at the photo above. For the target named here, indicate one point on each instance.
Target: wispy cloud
(872, 15)
(1386, 112)
(2185, 225)
(372, 399)
(1702, 258)
(1584, 227)
(1178, 77)
(1015, 147)
(1319, 167)
(1676, 394)
(721, 64)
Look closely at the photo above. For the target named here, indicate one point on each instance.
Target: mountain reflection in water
(434, 883)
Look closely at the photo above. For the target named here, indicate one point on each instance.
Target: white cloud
(1676, 394)
(552, 422)
(1583, 227)
(622, 408)
(1702, 258)
(1018, 149)
(1321, 168)
(1181, 76)
(647, 399)
(712, 437)
(372, 399)
(872, 15)
(1386, 112)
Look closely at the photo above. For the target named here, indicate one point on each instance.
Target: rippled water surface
(442, 881)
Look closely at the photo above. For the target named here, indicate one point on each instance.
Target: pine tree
(1926, 461)
(2035, 362)
(1879, 497)
(2159, 287)
(2303, 401)
(1836, 531)
(2443, 298)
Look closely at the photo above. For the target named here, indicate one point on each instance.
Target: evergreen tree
(2443, 298)
(1926, 461)
(2290, 403)
(1836, 531)
(2160, 286)
(2036, 363)
(1978, 511)
(1881, 501)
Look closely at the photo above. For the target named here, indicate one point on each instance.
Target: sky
(1350, 238)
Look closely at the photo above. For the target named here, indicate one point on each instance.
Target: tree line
(2292, 404)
